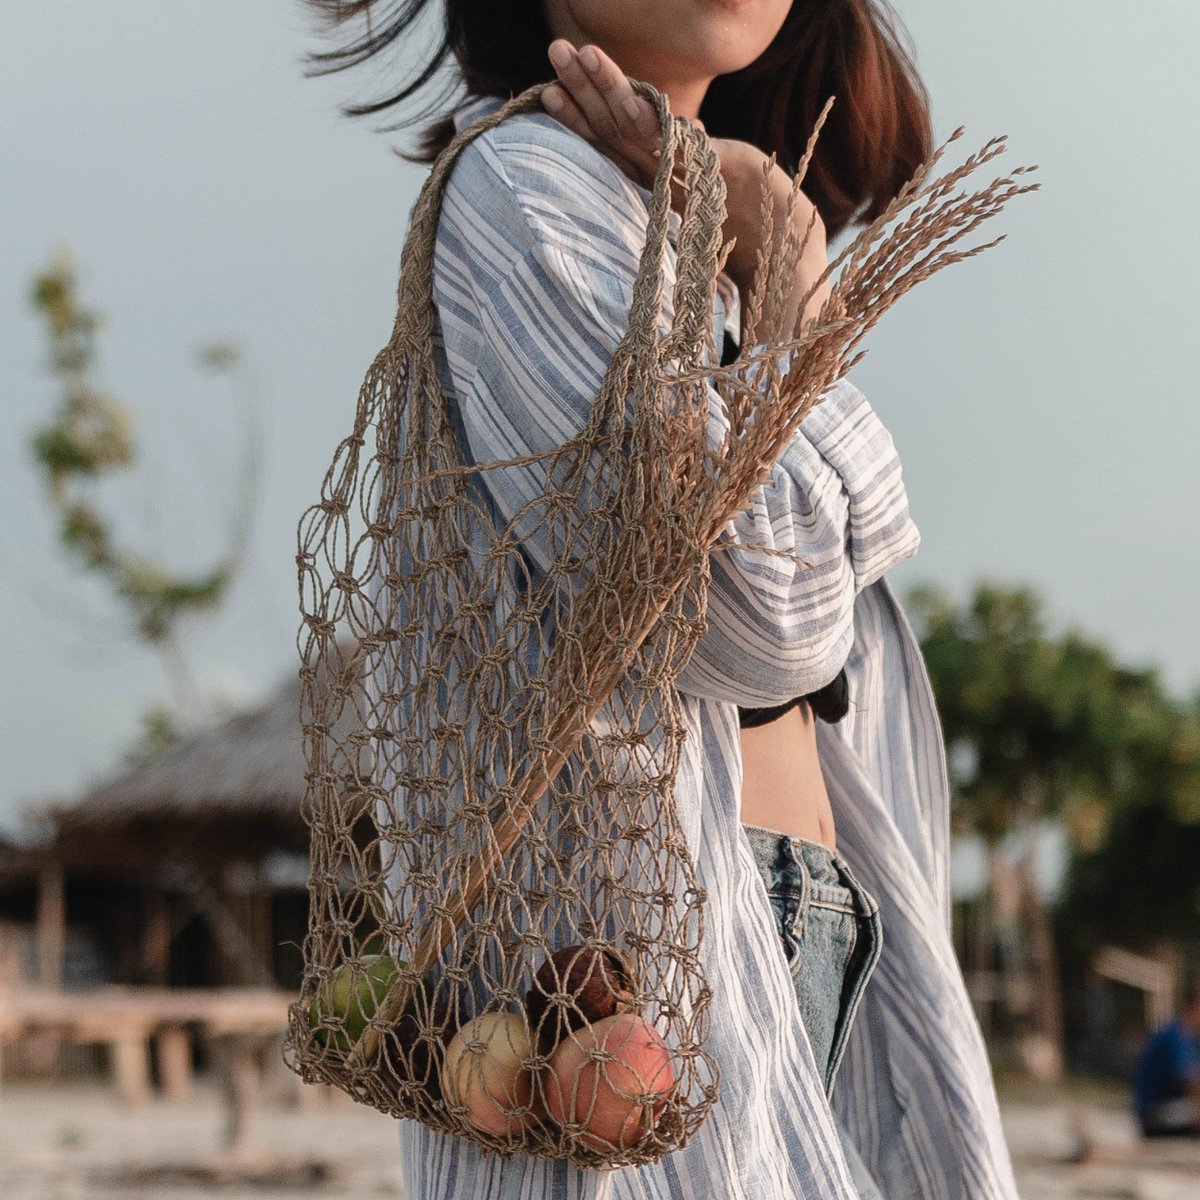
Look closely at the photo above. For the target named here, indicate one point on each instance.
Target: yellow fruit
(483, 1073)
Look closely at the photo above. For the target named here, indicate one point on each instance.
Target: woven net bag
(505, 921)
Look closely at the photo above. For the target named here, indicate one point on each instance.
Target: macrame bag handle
(698, 247)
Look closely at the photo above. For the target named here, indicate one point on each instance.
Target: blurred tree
(1036, 728)
(1138, 886)
(90, 435)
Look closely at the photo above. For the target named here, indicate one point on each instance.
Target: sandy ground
(78, 1143)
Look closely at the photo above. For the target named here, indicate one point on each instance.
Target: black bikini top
(832, 702)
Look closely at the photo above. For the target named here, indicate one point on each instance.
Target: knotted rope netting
(505, 926)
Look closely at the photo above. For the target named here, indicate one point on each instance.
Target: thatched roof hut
(231, 791)
(189, 866)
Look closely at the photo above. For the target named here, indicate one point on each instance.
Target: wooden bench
(131, 1022)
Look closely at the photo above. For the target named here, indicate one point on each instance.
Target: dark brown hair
(877, 134)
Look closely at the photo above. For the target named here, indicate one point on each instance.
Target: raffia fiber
(493, 735)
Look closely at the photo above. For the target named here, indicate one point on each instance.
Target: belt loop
(794, 864)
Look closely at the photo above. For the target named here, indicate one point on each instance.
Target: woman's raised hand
(595, 99)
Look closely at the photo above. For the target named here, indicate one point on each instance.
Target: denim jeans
(830, 933)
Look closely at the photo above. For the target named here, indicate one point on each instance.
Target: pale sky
(1042, 397)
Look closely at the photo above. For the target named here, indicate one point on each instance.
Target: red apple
(612, 1077)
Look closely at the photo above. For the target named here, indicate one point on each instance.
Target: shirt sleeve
(538, 251)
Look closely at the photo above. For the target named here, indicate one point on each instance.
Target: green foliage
(160, 730)
(1048, 726)
(91, 434)
(1040, 726)
(1139, 886)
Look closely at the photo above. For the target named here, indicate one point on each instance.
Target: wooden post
(131, 1063)
(241, 1086)
(51, 926)
(174, 1056)
(1163, 999)
(50, 935)
(156, 940)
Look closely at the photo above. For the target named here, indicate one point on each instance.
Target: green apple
(351, 995)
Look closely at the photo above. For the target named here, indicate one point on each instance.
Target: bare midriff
(782, 784)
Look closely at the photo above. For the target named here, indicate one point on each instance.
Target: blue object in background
(1167, 1064)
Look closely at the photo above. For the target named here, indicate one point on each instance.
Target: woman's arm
(538, 251)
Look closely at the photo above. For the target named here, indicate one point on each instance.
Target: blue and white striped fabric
(538, 247)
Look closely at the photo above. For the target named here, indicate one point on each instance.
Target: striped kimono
(538, 247)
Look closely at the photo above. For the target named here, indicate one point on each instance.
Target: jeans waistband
(825, 867)
(801, 843)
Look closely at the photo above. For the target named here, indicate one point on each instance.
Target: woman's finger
(596, 102)
(633, 116)
(578, 81)
(600, 90)
(562, 107)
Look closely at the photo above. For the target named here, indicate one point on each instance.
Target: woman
(822, 971)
